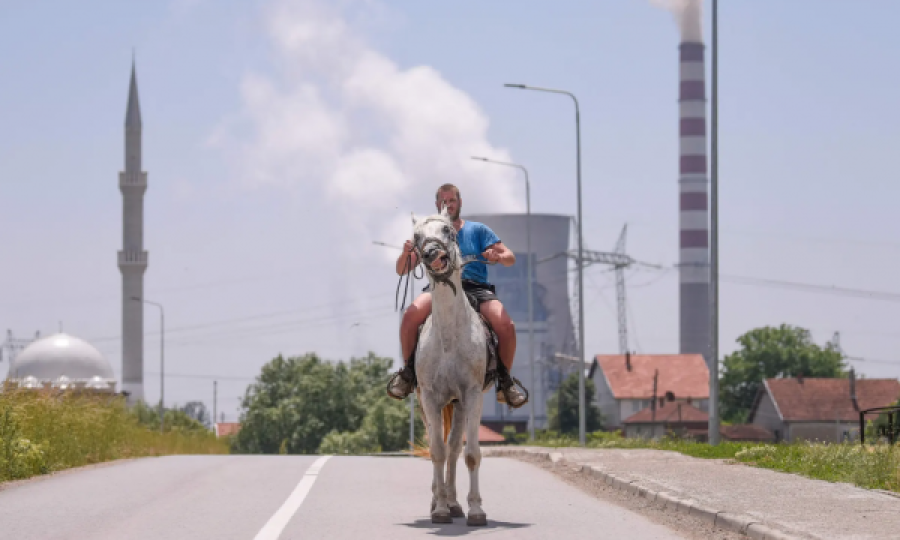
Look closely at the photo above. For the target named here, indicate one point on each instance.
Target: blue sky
(260, 146)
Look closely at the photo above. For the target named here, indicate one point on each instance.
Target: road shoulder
(747, 501)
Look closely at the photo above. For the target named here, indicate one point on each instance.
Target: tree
(565, 399)
(198, 411)
(298, 403)
(770, 352)
(176, 419)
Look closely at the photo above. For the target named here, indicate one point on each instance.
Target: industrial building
(553, 324)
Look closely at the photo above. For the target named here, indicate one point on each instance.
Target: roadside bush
(46, 431)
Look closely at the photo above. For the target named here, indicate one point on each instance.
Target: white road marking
(277, 523)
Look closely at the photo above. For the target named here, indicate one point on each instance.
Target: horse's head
(435, 240)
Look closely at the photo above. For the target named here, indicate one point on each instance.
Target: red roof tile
(827, 400)
(487, 435)
(685, 375)
(672, 413)
(224, 429)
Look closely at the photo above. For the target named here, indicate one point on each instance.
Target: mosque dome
(61, 358)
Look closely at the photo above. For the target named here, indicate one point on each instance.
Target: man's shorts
(477, 293)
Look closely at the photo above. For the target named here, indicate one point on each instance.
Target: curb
(664, 500)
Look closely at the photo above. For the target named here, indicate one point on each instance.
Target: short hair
(446, 187)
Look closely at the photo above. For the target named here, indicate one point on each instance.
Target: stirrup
(409, 379)
(504, 385)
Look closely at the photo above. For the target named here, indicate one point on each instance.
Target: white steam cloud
(346, 127)
(688, 15)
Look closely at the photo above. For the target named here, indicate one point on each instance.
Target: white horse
(451, 360)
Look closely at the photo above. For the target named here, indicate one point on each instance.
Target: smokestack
(693, 183)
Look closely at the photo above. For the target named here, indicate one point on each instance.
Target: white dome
(60, 355)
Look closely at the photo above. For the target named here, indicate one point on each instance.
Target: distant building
(226, 429)
(624, 383)
(805, 409)
(680, 419)
(63, 362)
(553, 325)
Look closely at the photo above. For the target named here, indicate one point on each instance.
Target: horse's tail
(447, 414)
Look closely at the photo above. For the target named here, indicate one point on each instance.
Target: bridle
(444, 277)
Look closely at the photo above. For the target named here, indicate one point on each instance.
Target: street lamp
(530, 277)
(579, 261)
(162, 343)
(713, 428)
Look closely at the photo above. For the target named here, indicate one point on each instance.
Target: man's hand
(491, 254)
(408, 246)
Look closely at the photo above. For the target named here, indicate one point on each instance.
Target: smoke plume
(688, 15)
(340, 123)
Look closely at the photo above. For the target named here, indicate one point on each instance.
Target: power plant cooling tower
(553, 328)
(693, 204)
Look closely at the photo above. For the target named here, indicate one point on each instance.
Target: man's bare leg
(413, 318)
(503, 325)
(403, 382)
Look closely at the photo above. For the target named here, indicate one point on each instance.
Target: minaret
(133, 258)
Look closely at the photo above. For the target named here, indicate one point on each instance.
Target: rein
(406, 273)
(444, 278)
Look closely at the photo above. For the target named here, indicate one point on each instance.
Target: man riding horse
(474, 239)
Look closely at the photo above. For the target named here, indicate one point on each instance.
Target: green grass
(42, 432)
(872, 466)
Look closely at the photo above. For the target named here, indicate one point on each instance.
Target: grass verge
(872, 466)
(43, 432)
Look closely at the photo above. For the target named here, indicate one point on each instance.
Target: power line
(227, 322)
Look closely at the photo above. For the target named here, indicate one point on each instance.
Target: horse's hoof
(476, 520)
(441, 518)
(457, 511)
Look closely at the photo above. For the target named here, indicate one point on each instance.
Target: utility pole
(653, 405)
(713, 428)
(215, 402)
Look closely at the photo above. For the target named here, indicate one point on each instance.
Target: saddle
(491, 374)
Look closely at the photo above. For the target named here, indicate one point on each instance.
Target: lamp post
(162, 370)
(530, 278)
(713, 428)
(579, 261)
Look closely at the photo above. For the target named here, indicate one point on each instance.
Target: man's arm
(500, 253)
(407, 260)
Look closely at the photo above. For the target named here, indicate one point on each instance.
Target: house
(685, 420)
(227, 429)
(624, 382)
(679, 418)
(813, 409)
(746, 433)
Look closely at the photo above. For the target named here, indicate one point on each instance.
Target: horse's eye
(446, 229)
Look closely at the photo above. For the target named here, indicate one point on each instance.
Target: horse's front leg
(440, 512)
(454, 444)
(472, 411)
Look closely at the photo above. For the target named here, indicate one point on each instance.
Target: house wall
(628, 407)
(767, 417)
(606, 402)
(822, 431)
(644, 431)
(657, 431)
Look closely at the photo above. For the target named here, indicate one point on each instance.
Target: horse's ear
(415, 220)
(444, 211)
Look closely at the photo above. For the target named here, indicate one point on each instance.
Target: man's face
(452, 201)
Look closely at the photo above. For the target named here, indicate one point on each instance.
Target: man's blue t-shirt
(473, 238)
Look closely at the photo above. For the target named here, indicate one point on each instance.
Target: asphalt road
(299, 497)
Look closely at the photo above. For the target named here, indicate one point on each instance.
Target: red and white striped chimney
(693, 182)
